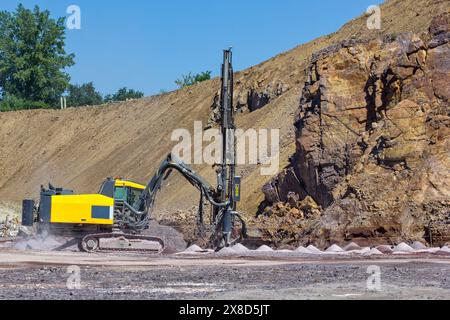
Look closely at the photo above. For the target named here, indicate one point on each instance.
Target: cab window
(120, 193)
(133, 195)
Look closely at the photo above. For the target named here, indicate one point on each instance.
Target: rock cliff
(372, 144)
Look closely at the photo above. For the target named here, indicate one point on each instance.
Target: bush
(124, 94)
(12, 103)
(189, 79)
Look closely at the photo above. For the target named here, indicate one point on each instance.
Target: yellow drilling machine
(116, 218)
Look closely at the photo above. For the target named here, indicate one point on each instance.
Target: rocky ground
(45, 276)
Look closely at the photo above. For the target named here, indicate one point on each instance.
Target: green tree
(32, 59)
(83, 95)
(124, 94)
(190, 79)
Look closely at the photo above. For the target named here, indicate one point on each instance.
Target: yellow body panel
(124, 183)
(82, 209)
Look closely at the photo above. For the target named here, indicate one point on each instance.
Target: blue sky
(146, 45)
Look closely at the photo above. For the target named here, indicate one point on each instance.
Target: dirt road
(44, 275)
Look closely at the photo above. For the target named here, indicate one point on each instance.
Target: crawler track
(120, 242)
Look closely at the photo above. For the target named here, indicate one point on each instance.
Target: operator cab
(127, 191)
(122, 191)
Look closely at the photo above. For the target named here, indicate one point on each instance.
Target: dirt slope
(78, 148)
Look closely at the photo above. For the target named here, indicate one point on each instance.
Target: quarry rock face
(372, 141)
(248, 99)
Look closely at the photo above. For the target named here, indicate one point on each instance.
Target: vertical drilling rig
(228, 182)
(116, 217)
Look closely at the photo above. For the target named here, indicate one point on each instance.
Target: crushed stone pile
(363, 250)
(313, 249)
(239, 248)
(334, 249)
(403, 247)
(352, 246)
(194, 248)
(226, 251)
(418, 245)
(264, 248)
(373, 252)
(303, 250)
(445, 249)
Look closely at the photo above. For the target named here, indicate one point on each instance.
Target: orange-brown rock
(372, 134)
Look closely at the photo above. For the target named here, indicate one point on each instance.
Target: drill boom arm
(142, 207)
